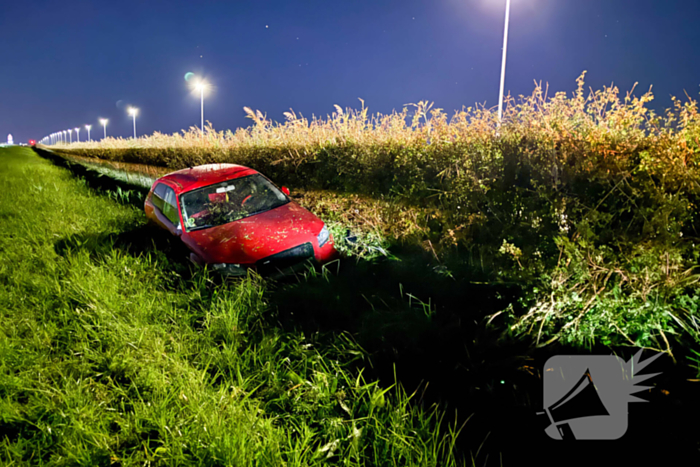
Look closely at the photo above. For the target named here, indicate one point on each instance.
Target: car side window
(170, 206)
(164, 201)
(158, 196)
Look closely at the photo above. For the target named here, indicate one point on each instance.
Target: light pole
(201, 92)
(201, 87)
(133, 111)
(88, 129)
(70, 135)
(103, 121)
(503, 63)
(77, 133)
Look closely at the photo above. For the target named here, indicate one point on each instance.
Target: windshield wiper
(199, 227)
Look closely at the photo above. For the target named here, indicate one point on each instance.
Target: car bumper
(297, 258)
(285, 262)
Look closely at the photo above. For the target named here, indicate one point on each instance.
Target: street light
(77, 133)
(503, 63)
(70, 134)
(133, 111)
(104, 121)
(88, 129)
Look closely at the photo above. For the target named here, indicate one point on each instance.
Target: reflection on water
(137, 174)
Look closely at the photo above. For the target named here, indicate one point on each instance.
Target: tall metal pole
(202, 94)
(503, 63)
(134, 115)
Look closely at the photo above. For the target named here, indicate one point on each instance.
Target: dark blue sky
(65, 64)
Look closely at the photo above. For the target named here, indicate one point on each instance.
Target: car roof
(204, 175)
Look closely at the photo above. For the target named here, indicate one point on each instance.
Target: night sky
(65, 64)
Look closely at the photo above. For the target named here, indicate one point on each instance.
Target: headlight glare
(323, 236)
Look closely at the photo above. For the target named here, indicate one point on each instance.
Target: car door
(165, 203)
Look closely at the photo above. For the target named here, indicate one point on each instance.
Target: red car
(233, 218)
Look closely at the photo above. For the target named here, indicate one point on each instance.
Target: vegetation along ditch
(473, 256)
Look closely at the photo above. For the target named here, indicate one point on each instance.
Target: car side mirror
(285, 190)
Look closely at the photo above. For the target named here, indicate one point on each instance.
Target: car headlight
(323, 236)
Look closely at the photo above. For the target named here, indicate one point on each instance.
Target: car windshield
(229, 201)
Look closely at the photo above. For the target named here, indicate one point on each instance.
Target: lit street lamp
(133, 111)
(88, 129)
(503, 63)
(77, 133)
(70, 135)
(103, 121)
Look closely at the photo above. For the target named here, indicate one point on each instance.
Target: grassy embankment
(111, 354)
(588, 203)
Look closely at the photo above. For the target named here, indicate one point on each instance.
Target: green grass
(114, 353)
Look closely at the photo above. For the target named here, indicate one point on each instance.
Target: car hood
(253, 238)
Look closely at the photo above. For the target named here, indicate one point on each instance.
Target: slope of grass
(112, 353)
